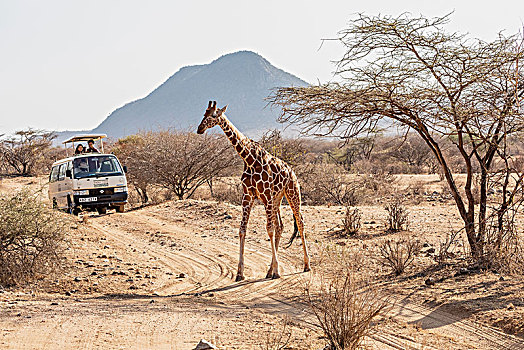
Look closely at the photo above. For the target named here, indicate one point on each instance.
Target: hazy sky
(68, 64)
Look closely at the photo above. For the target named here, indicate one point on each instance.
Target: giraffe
(265, 177)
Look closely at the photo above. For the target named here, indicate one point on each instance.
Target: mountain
(242, 79)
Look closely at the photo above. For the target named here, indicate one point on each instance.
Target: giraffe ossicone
(265, 177)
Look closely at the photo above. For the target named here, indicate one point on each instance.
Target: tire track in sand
(205, 265)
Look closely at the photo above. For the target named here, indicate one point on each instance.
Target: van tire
(120, 208)
(101, 210)
(70, 206)
(55, 204)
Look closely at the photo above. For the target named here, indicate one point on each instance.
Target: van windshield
(96, 166)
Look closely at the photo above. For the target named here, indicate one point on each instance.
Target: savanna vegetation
(455, 105)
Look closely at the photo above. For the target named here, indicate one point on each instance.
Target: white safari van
(88, 181)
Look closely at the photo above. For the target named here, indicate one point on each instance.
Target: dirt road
(163, 277)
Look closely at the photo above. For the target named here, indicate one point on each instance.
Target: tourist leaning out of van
(79, 149)
(91, 147)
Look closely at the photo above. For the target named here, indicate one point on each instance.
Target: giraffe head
(211, 117)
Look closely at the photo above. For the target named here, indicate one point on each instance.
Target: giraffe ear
(223, 109)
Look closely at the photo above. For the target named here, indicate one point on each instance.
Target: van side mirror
(69, 174)
(125, 168)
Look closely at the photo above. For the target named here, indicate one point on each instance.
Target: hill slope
(242, 79)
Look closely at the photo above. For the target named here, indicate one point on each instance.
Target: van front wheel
(119, 208)
(70, 206)
(101, 210)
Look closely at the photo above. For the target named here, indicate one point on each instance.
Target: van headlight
(120, 189)
(81, 193)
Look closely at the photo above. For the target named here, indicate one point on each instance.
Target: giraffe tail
(295, 233)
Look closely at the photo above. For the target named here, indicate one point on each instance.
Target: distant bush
(351, 221)
(230, 192)
(327, 184)
(180, 162)
(290, 150)
(25, 153)
(31, 238)
(398, 216)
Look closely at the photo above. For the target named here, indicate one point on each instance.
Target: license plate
(101, 183)
(88, 199)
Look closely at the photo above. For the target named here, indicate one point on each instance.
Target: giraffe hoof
(275, 276)
(307, 269)
(239, 278)
(269, 274)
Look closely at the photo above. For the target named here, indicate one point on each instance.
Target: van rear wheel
(101, 210)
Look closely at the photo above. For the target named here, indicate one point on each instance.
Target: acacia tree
(353, 150)
(411, 150)
(132, 152)
(290, 150)
(413, 74)
(25, 149)
(184, 161)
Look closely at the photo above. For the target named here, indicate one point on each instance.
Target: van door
(53, 178)
(67, 184)
(61, 191)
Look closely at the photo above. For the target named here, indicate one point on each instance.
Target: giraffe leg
(279, 227)
(293, 197)
(247, 203)
(271, 217)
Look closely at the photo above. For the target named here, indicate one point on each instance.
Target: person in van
(91, 147)
(82, 166)
(79, 149)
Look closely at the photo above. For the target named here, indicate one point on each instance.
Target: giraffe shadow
(244, 283)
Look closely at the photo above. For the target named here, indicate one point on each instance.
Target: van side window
(54, 174)
(70, 167)
(61, 172)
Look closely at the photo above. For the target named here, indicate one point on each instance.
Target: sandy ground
(162, 277)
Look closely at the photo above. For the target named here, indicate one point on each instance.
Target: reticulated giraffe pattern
(265, 177)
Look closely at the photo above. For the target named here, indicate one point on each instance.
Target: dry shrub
(398, 216)
(346, 310)
(278, 337)
(326, 184)
(503, 247)
(351, 221)
(330, 184)
(444, 252)
(398, 254)
(180, 162)
(31, 238)
(346, 306)
(228, 192)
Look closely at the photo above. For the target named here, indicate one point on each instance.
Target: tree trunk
(476, 245)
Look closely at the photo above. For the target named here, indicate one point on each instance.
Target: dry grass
(278, 336)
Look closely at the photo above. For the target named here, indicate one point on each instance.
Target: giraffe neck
(239, 141)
